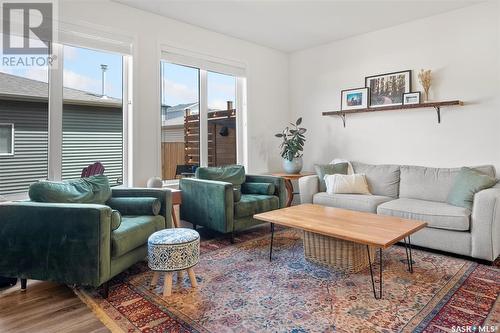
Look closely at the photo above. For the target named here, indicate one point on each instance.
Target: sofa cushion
(358, 202)
(329, 169)
(134, 232)
(432, 184)
(234, 174)
(382, 179)
(135, 205)
(94, 189)
(467, 183)
(258, 188)
(437, 214)
(251, 204)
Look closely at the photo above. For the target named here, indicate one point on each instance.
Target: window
(6, 139)
(92, 115)
(221, 119)
(24, 115)
(87, 121)
(199, 115)
(180, 127)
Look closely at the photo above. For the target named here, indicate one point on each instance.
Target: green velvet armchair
(76, 243)
(225, 199)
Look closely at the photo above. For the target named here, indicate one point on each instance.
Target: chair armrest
(279, 184)
(308, 187)
(68, 243)
(485, 224)
(208, 203)
(162, 194)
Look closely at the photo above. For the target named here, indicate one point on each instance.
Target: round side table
(173, 250)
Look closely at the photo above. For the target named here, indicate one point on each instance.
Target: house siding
(30, 159)
(89, 134)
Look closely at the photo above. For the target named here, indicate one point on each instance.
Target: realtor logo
(30, 22)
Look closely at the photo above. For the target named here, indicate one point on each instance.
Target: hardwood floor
(45, 307)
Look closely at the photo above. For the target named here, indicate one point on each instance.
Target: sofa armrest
(485, 224)
(308, 187)
(162, 194)
(279, 184)
(68, 243)
(208, 203)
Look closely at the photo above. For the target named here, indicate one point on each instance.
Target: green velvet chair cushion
(94, 189)
(135, 205)
(234, 174)
(251, 204)
(116, 219)
(237, 193)
(329, 169)
(258, 188)
(134, 232)
(467, 183)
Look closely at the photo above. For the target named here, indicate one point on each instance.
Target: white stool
(173, 250)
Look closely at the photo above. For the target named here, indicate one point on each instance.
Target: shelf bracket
(343, 118)
(438, 111)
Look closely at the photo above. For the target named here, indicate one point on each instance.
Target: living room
(222, 166)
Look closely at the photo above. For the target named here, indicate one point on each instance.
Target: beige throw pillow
(347, 184)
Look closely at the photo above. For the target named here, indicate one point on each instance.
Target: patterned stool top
(173, 236)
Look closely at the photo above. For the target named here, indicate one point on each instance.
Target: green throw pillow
(329, 169)
(94, 189)
(116, 219)
(258, 188)
(467, 183)
(135, 205)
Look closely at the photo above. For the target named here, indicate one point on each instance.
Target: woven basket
(344, 255)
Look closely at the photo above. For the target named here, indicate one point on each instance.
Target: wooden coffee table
(366, 229)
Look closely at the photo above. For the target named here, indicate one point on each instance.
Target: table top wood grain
(363, 228)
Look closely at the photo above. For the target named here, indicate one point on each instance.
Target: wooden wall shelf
(436, 105)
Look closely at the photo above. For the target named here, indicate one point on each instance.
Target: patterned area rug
(241, 291)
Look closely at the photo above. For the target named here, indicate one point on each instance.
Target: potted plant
(292, 146)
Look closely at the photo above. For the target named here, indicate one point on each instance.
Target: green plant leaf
(299, 121)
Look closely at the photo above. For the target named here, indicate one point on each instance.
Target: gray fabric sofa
(420, 193)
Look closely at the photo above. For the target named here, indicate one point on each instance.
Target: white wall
(461, 48)
(267, 79)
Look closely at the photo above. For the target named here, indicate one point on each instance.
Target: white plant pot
(293, 166)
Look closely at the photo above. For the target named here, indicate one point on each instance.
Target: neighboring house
(92, 131)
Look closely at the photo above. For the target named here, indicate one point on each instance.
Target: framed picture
(411, 98)
(388, 89)
(354, 99)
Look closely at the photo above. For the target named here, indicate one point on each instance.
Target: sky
(180, 86)
(82, 71)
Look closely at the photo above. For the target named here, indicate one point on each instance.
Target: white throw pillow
(347, 184)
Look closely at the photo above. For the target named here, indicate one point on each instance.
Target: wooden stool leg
(192, 277)
(180, 276)
(174, 218)
(154, 280)
(167, 285)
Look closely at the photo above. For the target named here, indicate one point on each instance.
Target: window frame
(55, 113)
(205, 63)
(12, 135)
